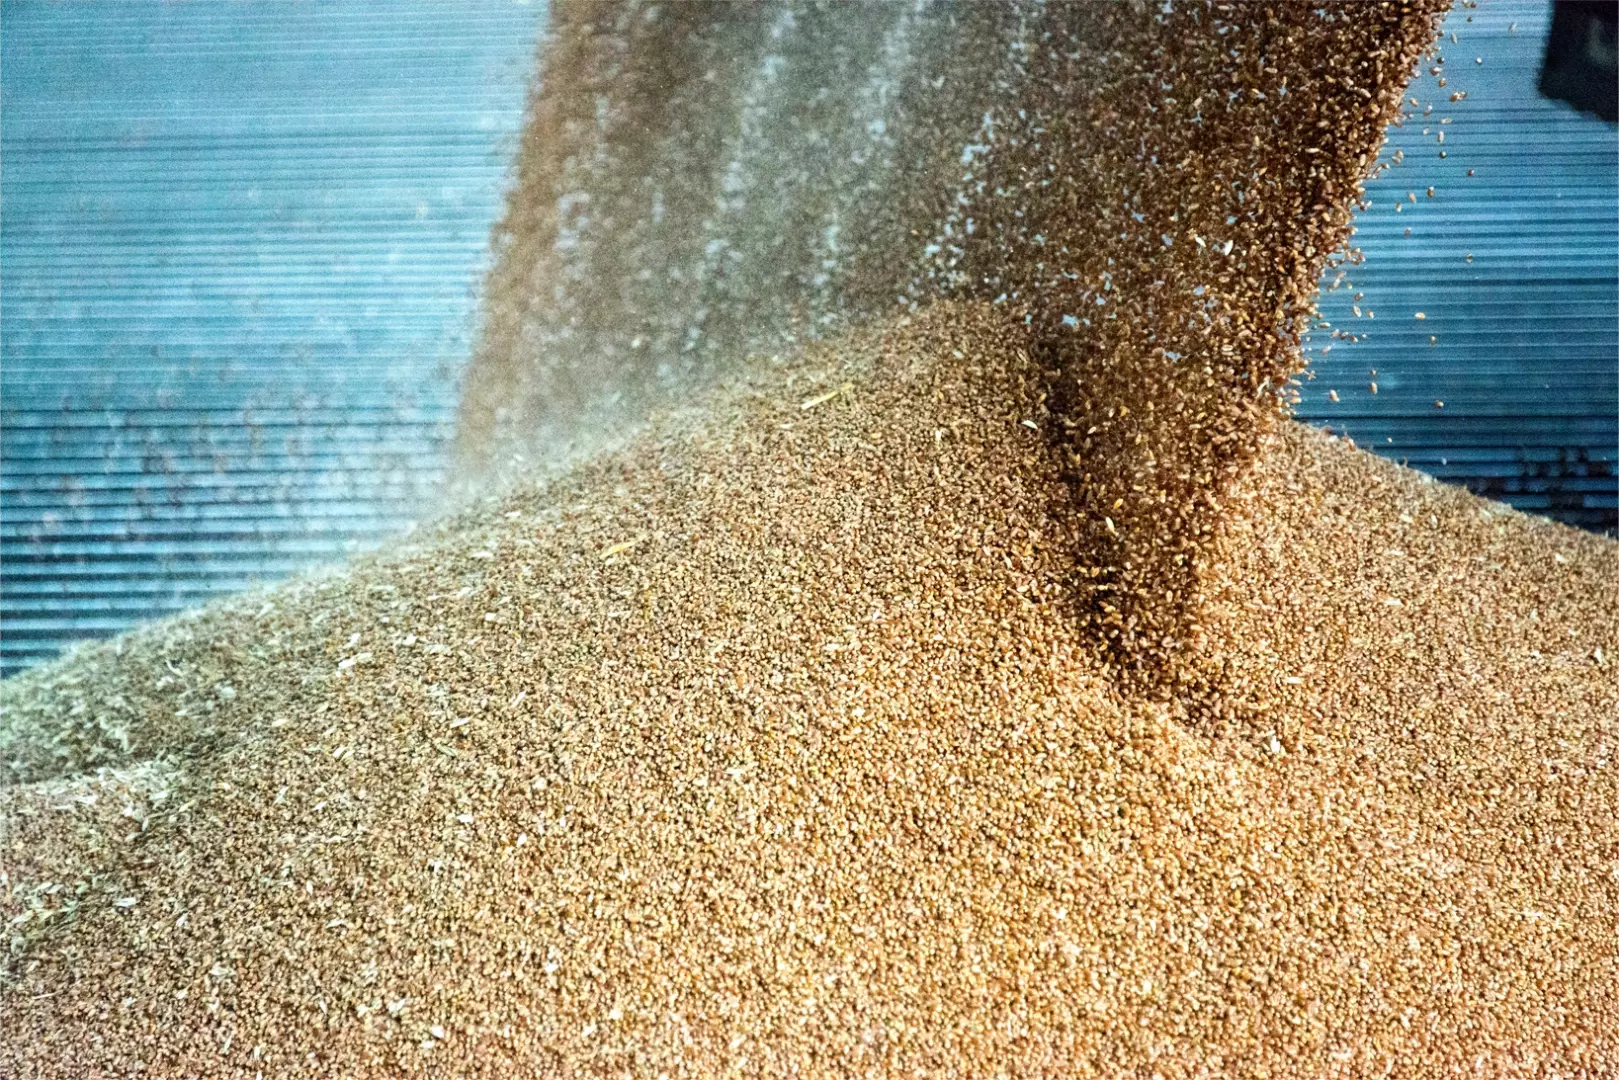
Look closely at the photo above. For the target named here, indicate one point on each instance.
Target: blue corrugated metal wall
(1516, 270)
(239, 250)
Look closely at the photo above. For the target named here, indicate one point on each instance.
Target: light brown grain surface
(820, 773)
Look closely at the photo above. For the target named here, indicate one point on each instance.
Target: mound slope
(771, 744)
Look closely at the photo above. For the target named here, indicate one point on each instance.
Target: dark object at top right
(1582, 56)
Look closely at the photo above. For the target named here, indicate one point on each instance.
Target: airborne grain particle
(822, 399)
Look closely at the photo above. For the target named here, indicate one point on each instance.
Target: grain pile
(774, 743)
(829, 727)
